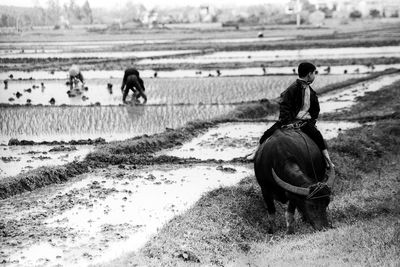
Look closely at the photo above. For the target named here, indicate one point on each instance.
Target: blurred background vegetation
(129, 15)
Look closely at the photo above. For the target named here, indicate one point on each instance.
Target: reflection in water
(109, 122)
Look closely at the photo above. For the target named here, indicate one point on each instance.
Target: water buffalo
(289, 167)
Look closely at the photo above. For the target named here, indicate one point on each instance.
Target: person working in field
(132, 81)
(75, 75)
(299, 108)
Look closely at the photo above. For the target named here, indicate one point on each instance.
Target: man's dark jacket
(292, 101)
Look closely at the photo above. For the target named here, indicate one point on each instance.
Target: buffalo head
(311, 201)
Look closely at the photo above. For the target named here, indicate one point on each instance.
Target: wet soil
(97, 216)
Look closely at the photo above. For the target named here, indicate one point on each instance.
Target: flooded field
(100, 54)
(277, 55)
(75, 123)
(191, 73)
(113, 123)
(344, 99)
(110, 123)
(160, 91)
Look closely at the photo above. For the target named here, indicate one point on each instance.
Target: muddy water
(103, 214)
(345, 98)
(181, 73)
(15, 160)
(277, 55)
(160, 91)
(100, 54)
(233, 140)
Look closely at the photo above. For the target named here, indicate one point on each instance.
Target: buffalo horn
(331, 178)
(291, 188)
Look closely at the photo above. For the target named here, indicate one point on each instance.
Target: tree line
(52, 14)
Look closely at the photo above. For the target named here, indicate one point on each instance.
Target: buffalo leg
(289, 214)
(271, 210)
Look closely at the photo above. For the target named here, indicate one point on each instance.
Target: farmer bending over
(299, 106)
(132, 81)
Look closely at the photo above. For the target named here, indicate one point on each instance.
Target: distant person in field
(299, 107)
(132, 81)
(75, 73)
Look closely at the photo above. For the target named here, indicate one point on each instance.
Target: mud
(16, 142)
(21, 159)
(100, 215)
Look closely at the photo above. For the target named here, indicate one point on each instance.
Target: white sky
(147, 3)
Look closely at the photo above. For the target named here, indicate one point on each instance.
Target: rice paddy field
(87, 180)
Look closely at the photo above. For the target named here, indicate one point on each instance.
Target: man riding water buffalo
(132, 81)
(299, 106)
(292, 163)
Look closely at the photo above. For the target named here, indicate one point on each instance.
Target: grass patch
(372, 242)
